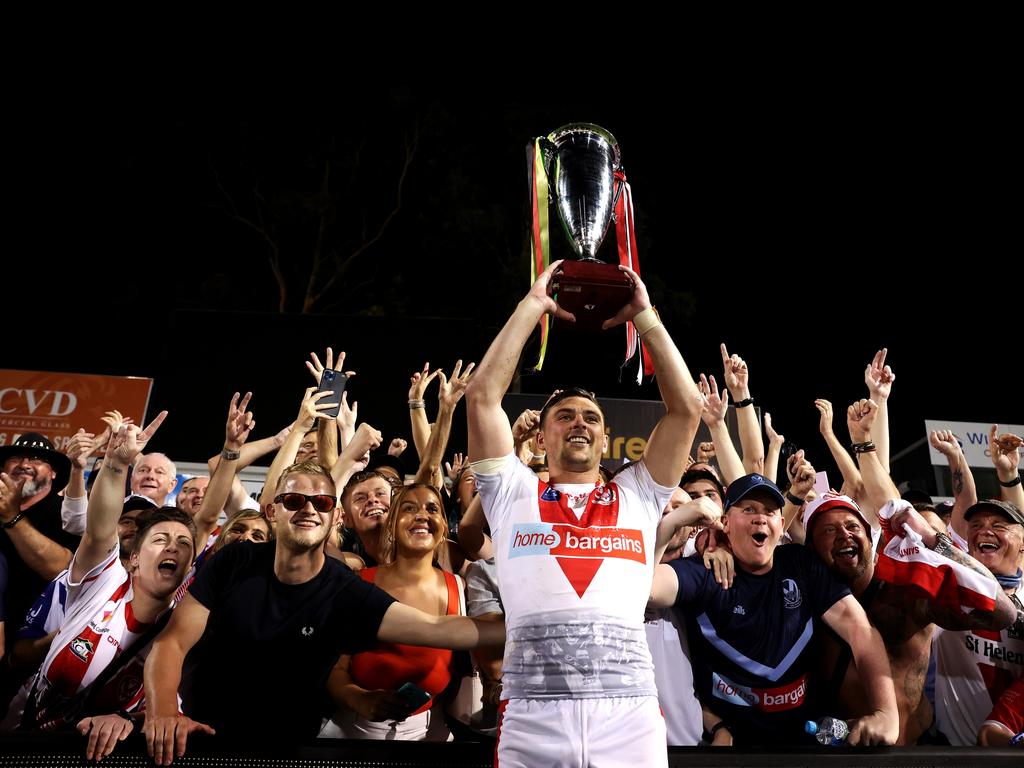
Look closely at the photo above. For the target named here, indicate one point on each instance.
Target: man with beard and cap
(903, 616)
(31, 534)
(752, 643)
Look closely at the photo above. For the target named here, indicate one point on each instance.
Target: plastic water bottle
(830, 731)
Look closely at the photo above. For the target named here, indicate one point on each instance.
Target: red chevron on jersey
(572, 540)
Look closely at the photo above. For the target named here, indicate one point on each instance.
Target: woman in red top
(367, 683)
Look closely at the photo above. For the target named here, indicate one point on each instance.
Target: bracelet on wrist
(867, 447)
(13, 521)
(230, 455)
(417, 404)
(743, 403)
(717, 727)
(1010, 483)
(795, 499)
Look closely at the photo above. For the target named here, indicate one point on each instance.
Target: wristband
(230, 455)
(417, 404)
(867, 447)
(1011, 483)
(795, 499)
(13, 521)
(743, 403)
(717, 727)
(646, 320)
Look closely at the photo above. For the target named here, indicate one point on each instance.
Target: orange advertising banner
(58, 404)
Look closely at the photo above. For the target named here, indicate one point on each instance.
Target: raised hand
(397, 447)
(10, 496)
(879, 377)
(859, 418)
(311, 408)
(801, 475)
(316, 368)
(1004, 450)
(774, 438)
(418, 381)
(450, 391)
(715, 406)
(638, 301)
(129, 441)
(453, 469)
(240, 423)
(825, 420)
(945, 442)
(540, 292)
(736, 374)
(705, 452)
(80, 448)
(525, 426)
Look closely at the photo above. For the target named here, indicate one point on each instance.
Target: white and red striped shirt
(98, 624)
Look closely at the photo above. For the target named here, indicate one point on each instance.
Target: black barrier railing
(67, 750)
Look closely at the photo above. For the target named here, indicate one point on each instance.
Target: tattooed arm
(964, 491)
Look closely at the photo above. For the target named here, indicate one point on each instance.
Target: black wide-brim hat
(34, 444)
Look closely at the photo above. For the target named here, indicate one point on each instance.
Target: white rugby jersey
(574, 582)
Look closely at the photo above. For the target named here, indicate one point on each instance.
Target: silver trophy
(582, 159)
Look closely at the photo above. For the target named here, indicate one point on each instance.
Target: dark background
(806, 221)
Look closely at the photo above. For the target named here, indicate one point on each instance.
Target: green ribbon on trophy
(590, 190)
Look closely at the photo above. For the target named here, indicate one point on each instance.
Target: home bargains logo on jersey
(766, 699)
(529, 539)
(579, 551)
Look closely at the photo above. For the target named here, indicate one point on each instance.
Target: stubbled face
(304, 528)
(307, 448)
(368, 504)
(126, 530)
(699, 488)
(677, 542)
(37, 472)
(754, 526)
(153, 477)
(163, 559)
(254, 529)
(573, 436)
(842, 542)
(995, 542)
(190, 497)
(419, 525)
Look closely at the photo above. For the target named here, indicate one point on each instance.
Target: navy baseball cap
(752, 483)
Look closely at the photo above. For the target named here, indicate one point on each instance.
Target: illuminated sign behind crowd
(58, 404)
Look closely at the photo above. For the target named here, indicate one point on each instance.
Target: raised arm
(418, 407)
(523, 431)
(108, 496)
(353, 458)
(471, 533)
(166, 732)
(669, 444)
(801, 476)
(448, 396)
(309, 409)
(965, 493)
(490, 435)
(1005, 453)
(40, 553)
(853, 484)
(713, 412)
(879, 378)
(737, 381)
(236, 430)
(878, 486)
(775, 443)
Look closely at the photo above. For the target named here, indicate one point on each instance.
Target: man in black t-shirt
(752, 643)
(285, 602)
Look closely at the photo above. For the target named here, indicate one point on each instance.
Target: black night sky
(806, 223)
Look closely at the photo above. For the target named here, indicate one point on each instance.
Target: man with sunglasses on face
(575, 558)
(287, 602)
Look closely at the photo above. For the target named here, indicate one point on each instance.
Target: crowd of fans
(697, 596)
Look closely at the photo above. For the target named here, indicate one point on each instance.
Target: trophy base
(593, 291)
